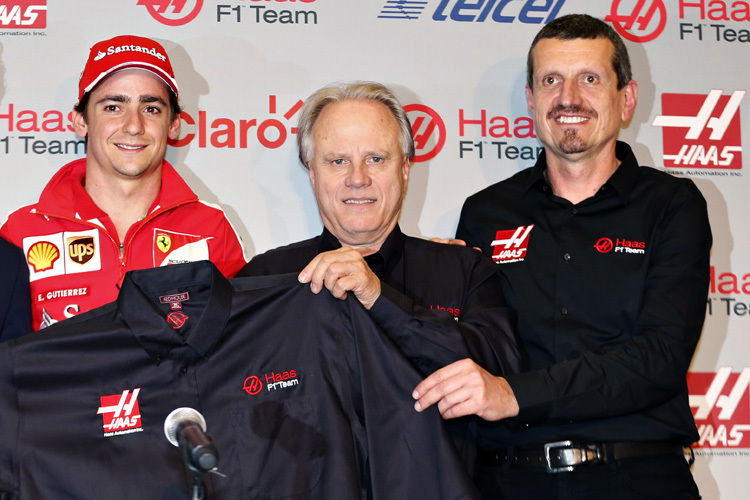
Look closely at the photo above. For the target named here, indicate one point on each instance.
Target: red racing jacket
(76, 262)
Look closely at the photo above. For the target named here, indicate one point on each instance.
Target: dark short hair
(575, 26)
(174, 103)
(355, 91)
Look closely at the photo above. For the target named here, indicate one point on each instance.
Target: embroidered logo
(42, 255)
(620, 245)
(120, 413)
(81, 249)
(170, 247)
(254, 385)
(177, 319)
(163, 242)
(511, 244)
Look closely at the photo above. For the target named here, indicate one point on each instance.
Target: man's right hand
(340, 271)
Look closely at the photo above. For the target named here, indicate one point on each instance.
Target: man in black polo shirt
(438, 303)
(607, 264)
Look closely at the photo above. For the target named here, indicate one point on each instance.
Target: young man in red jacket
(123, 207)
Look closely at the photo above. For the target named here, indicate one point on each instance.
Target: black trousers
(652, 478)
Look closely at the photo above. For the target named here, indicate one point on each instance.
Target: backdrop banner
(244, 68)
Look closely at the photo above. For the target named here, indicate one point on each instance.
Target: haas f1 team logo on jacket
(120, 413)
(510, 245)
(170, 247)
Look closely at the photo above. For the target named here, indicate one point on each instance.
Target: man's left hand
(340, 271)
(465, 388)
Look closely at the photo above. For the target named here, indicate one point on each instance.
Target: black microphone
(186, 429)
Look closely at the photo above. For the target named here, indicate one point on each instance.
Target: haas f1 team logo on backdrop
(120, 413)
(510, 245)
(173, 12)
(701, 131)
(638, 20)
(23, 14)
(721, 407)
(428, 130)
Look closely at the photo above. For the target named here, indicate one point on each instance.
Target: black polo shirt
(439, 303)
(303, 393)
(611, 297)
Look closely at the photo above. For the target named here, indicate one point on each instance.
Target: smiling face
(128, 123)
(358, 172)
(575, 103)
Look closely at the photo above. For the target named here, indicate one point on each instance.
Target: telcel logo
(473, 11)
(23, 14)
(721, 407)
(701, 130)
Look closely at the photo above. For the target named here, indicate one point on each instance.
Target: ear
(630, 98)
(405, 168)
(311, 173)
(174, 128)
(79, 124)
(529, 98)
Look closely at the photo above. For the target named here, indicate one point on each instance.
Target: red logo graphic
(253, 385)
(176, 319)
(23, 14)
(179, 15)
(120, 412)
(511, 244)
(604, 245)
(644, 21)
(721, 407)
(224, 132)
(425, 121)
(701, 130)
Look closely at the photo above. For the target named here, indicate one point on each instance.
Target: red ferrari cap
(124, 52)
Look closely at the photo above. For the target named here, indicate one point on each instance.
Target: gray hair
(355, 91)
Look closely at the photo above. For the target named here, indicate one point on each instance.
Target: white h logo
(516, 239)
(713, 397)
(696, 124)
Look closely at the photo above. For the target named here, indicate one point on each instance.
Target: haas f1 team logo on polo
(721, 407)
(511, 244)
(619, 245)
(701, 131)
(120, 413)
(274, 381)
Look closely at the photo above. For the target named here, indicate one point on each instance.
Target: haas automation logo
(511, 244)
(120, 413)
(701, 131)
(721, 407)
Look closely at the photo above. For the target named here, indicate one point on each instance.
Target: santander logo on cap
(125, 52)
